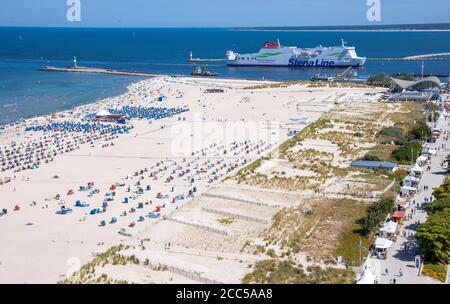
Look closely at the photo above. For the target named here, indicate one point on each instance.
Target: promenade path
(397, 256)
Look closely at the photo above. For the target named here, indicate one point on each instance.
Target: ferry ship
(274, 54)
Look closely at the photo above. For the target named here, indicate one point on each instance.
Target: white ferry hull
(273, 54)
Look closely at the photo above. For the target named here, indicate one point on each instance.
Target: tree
(377, 212)
(431, 107)
(379, 80)
(404, 153)
(434, 237)
(439, 205)
(434, 234)
(420, 131)
(443, 191)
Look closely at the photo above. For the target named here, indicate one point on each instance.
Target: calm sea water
(25, 91)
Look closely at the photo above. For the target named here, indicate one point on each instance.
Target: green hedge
(377, 212)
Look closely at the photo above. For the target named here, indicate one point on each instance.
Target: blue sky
(219, 13)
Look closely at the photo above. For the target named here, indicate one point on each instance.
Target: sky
(220, 13)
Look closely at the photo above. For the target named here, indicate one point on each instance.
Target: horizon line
(248, 28)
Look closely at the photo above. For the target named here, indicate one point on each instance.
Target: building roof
(427, 82)
(398, 214)
(373, 164)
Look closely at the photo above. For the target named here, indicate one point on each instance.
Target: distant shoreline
(363, 27)
(347, 30)
(432, 27)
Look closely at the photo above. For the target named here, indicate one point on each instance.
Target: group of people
(84, 127)
(142, 112)
(57, 138)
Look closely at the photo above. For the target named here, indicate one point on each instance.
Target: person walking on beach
(386, 271)
(400, 272)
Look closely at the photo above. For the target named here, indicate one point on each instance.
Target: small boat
(203, 71)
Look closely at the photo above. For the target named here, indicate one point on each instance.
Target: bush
(398, 175)
(420, 131)
(392, 134)
(377, 212)
(431, 107)
(433, 116)
(371, 157)
(436, 271)
(379, 80)
(286, 272)
(271, 252)
(407, 153)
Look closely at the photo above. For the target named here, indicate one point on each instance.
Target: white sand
(49, 248)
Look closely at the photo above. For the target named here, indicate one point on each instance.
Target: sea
(26, 92)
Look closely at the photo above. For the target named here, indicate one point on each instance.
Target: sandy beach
(174, 167)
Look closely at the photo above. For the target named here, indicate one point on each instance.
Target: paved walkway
(397, 256)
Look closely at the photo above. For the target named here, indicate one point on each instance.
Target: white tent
(410, 180)
(431, 152)
(382, 243)
(102, 113)
(421, 160)
(405, 190)
(416, 168)
(389, 227)
(367, 277)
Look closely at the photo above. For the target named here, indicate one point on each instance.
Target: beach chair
(64, 210)
(154, 215)
(78, 203)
